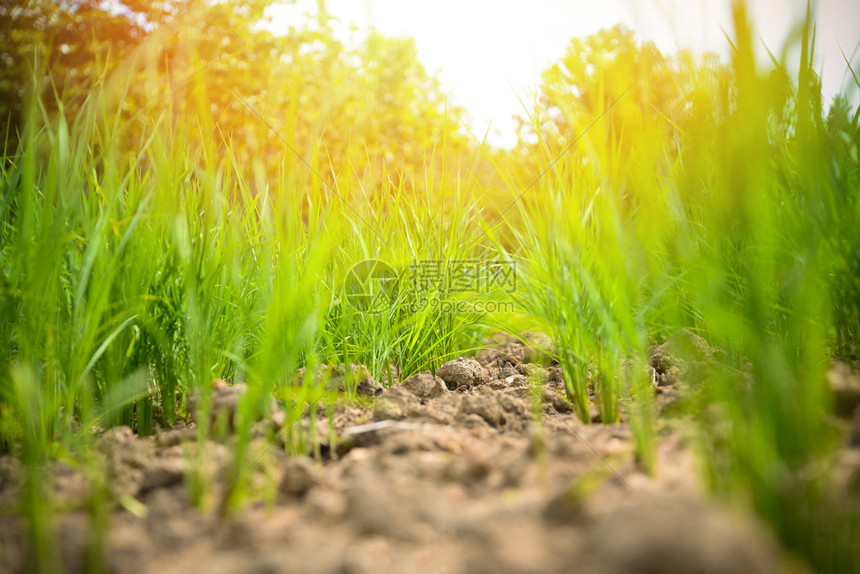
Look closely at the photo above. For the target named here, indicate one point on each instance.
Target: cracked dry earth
(461, 472)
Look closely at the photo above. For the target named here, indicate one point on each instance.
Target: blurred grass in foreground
(746, 234)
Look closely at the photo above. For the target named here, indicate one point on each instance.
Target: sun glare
(489, 53)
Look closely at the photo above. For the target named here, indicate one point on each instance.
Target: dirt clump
(395, 403)
(162, 472)
(298, 477)
(175, 436)
(485, 406)
(425, 385)
(461, 374)
(557, 402)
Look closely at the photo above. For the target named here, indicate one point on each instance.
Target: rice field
(154, 256)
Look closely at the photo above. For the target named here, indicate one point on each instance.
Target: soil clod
(462, 374)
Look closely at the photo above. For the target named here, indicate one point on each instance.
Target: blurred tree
(662, 95)
(370, 107)
(75, 40)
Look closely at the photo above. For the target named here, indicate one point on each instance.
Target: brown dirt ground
(464, 472)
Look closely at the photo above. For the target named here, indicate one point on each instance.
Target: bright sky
(489, 53)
